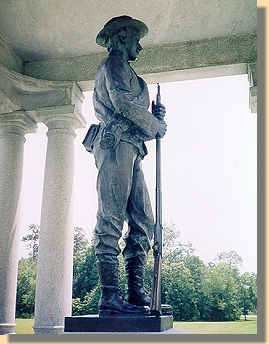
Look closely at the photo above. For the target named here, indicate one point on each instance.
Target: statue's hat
(117, 23)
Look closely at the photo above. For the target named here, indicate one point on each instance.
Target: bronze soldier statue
(121, 102)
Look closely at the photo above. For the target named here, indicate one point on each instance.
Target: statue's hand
(162, 127)
(158, 110)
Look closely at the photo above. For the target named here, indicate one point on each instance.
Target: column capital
(17, 122)
(61, 117)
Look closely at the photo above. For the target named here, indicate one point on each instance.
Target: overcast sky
(209, 168)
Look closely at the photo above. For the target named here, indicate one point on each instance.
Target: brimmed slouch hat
(117, 23)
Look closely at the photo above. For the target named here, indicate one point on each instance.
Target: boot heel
(108, 313)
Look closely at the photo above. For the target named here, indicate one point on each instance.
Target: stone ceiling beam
(20, 92)
(166, 58)
(9, 58)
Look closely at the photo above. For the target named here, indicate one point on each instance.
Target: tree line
(196, 291)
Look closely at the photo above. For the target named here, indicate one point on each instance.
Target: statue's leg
(138, 238)
(113, 185)
(114, 179)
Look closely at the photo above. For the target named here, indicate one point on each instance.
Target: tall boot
(111, 301)
(136, 293)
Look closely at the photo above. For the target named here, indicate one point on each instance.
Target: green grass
(230, 327)
(24, 326)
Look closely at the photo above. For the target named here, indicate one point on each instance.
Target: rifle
(155, 305)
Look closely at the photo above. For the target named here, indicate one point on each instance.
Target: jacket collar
(119, 53)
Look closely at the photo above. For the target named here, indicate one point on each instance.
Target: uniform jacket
(121, 95)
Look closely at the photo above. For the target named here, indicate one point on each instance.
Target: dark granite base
(94, 323)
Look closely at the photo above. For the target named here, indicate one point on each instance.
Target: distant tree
(170, 237)
(219, 298)
(174, 250)
(198, 271)
(26, 286)
(178, 288)
(85, 276)
(248, 293)
(26, 280)
(32, 240)
(230, 258)
(211, 265)
(80, 240)
(89, 305)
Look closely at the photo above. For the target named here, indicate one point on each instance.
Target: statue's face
(133, 46)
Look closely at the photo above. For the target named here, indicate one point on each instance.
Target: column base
(48, 329)
(7, 328)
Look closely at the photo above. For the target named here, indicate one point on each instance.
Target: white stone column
(252, 78)
(55, 256)
(13, 128)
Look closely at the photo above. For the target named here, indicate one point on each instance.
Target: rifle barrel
(156, 307)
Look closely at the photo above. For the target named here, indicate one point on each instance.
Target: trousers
(122, 196)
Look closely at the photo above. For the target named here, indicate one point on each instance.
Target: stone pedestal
(95, 323)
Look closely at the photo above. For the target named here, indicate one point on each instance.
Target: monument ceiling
(42, 29)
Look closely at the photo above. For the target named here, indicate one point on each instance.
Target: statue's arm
(119, 86)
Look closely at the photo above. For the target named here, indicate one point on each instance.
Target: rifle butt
(156, 306)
